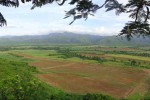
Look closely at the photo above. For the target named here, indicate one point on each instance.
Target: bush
(97, 97)
(22, 88)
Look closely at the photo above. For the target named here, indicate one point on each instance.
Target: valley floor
(82, 77)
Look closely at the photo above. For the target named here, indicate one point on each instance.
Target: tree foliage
(138, 10)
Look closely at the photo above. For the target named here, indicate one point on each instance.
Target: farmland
(121, 72)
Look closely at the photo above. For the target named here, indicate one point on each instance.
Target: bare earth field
(83, 78)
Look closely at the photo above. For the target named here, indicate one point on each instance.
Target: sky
(49, 19)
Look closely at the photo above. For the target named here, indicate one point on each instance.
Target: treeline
(45, 48)
(69, 54)
(7, 48)
(133, 53)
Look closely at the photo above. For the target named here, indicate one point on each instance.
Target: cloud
(123, 1)
(49, 18)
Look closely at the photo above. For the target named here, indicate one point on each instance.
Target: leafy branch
(139, 11)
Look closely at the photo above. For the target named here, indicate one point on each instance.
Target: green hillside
(72, 38)
(118, 41)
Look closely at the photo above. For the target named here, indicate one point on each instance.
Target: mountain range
(73, 38)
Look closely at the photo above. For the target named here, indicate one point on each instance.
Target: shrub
(22, 88)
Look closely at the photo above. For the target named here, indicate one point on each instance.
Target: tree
(138, 10)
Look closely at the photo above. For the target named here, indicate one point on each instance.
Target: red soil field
(84, 78)
(90, 78)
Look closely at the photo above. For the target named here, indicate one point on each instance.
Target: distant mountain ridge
(72, 38)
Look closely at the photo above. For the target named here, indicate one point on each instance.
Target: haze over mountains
(72, 38)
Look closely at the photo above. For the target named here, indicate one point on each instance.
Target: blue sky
(49, 19)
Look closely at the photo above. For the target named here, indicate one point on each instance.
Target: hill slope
(72, 38)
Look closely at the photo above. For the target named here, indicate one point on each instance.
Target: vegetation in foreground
(18, 81)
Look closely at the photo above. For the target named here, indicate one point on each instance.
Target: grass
(76, 75)
(113, 76)
(129, 57)
(11, 65)
(8, 56)
(38, 53)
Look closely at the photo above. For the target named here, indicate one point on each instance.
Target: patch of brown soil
(78, 84)
(90, 78)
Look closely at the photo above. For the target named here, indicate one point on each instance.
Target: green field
(73, 72)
